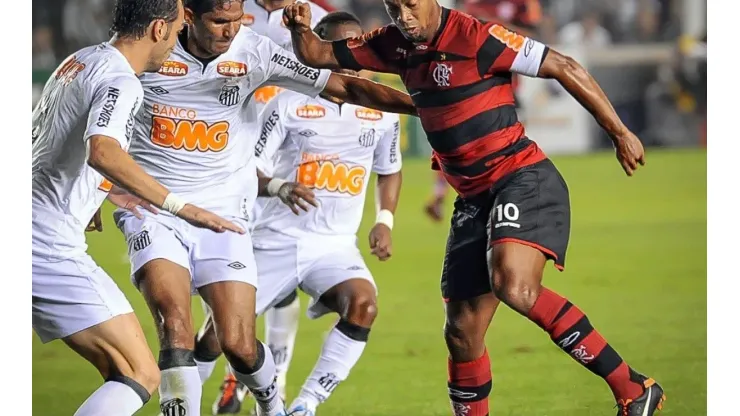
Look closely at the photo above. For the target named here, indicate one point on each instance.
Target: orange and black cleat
(229, 402)
(646, 405)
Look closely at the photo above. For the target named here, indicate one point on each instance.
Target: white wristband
(274, 186)
(385, 217)
(173, 204)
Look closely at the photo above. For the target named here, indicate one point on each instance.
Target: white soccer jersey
(270, 24)
(93, 92)
(192, 134)
(330, 148)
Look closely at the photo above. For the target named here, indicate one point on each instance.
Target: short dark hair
(332, 19)
(199, 7)
(131, 18)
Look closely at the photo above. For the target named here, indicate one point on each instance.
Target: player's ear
(159, 30)
(189, 17)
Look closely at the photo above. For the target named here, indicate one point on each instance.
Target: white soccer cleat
(301, 409)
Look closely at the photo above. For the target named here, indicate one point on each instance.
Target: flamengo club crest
(441, 74)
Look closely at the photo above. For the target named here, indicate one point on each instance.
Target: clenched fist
(629, 151)
(297, 17)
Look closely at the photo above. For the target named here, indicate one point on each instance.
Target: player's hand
(122, 199)
(206, 219)
(296, 195)
(629, 151)
(297, 17)
(381, 244)
(96, 223)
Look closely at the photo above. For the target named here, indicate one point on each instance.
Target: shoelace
(623, 406)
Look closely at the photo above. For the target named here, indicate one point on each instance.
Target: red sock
(570, 330)
(469, 385)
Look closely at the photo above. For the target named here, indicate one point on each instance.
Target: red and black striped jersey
(460, 83)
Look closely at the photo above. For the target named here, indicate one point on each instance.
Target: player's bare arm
(107, 157)
(584, 88)
(361, 91)
(292, 194)
(387, 192)
(307, 45)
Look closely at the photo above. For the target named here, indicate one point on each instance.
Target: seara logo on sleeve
(247, 19)
(513, 40)
(68, 70)
(266, 93)
(310, 111)
(178, 128)
(231, 69)
(323, 173)
(368, 114)
(173, 69)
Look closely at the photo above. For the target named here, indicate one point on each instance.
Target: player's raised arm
(369, 94)
(356, 53)
(110, 125)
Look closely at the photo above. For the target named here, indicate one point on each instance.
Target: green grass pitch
(636, 265)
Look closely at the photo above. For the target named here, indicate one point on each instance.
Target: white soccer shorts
(314, 266)
(208, 256)
(70, 295)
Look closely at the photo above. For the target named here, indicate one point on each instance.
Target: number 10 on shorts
(506, 215)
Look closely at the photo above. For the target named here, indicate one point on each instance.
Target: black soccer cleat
(229, 402)
(646, 405)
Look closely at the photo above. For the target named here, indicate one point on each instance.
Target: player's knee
(148, 376)
(463, 332)
(177, 328)
(363, 309)
(207, 348)
(514, 286)
(241, 352)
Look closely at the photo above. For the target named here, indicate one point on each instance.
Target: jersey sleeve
(272, 133)
(371, 51)
(115, 102)
(284, 70)
(502, 50)
(387, 158)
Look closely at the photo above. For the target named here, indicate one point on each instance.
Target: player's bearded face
(162, 50)
(407, 16)
(215, 30)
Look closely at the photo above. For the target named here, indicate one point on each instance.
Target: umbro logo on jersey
(158, 90)
(229, 95)
(307, 133)
(173, 69)
(237, 265)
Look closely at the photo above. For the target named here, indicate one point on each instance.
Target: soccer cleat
(301, 409)
(229, 401)
(647, 404)
(259, 412)
(434, 210)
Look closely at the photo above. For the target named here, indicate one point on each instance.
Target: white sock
(338, 355)
(112, 398)
(180, 391)
(281, 327)
(205, 369)
(263, 385)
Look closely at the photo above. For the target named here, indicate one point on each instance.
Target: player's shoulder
(102, 64)
(389, 32)
(467, 25)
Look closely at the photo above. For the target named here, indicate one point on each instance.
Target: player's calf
(517, 275)
(281, 328)
(355, 302)
(469, 368)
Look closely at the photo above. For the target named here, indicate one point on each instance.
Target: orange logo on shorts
(191, 135)
(368, 114)
(311, 111)
(173, 69)
(332, 176)
(247, 19)
(513, 40)
(105, 186)
(267, 93)
(232, 69)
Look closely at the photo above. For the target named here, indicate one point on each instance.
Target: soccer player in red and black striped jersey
(513, 211)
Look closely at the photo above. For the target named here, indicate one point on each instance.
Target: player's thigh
(531, 208)
(277, 272)
(340, 270)
(71, 295)
(222, 257)
(232, 304)
(465, 271)
(117, 347)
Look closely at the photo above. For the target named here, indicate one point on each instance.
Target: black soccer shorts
(530, 206)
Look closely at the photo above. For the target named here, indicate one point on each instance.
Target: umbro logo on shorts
(236, 265)
(355, 267)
